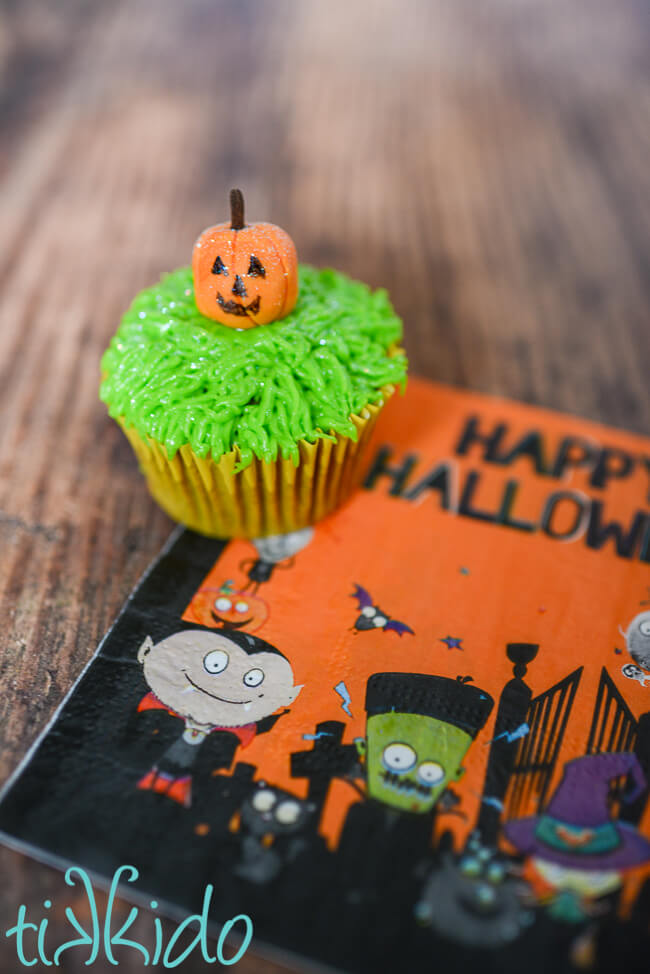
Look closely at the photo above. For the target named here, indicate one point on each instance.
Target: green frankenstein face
(410, 759)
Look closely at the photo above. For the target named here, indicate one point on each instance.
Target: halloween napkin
(414, 737)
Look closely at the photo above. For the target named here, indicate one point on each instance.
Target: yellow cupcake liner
(266, 497)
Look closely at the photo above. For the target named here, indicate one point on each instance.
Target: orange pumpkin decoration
(244, 275)
(227, 608)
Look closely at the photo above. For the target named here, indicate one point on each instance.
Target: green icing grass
(179, 377)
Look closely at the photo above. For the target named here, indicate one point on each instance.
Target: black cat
(274, 825)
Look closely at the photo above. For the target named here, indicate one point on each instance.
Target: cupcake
(248, 385)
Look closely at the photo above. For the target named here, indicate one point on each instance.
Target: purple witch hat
(576, 830)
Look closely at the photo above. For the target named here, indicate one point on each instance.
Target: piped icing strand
(181, 378)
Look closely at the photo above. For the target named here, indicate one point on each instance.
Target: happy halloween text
(565, 515)
(100, 939)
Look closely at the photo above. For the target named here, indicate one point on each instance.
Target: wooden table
(487, 162)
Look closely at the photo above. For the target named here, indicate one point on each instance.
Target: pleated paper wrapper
(268, 496)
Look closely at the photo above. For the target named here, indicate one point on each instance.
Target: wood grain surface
(487, 162)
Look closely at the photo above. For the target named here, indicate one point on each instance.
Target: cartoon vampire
(371, 616)
(230, 682)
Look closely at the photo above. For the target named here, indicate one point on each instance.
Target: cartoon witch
(212, 681)
(575, 847)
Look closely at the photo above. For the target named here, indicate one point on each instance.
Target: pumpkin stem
(236, 209)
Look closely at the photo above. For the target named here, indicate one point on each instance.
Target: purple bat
(372, 617)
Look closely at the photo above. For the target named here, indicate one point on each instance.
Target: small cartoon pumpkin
(244, 275)
(227, 608)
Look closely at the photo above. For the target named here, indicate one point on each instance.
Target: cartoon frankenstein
(418, 730)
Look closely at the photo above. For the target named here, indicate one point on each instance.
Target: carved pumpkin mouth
(235, 308)
(227, 624)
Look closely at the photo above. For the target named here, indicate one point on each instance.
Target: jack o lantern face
(239, 307)
(226, 608)
(245, 275)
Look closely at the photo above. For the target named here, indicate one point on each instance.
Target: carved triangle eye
(255, 268)
(219, 267)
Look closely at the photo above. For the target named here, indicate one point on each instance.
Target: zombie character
(232, 683)
(418, 731)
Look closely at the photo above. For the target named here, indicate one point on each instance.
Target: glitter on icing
(185, 379)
